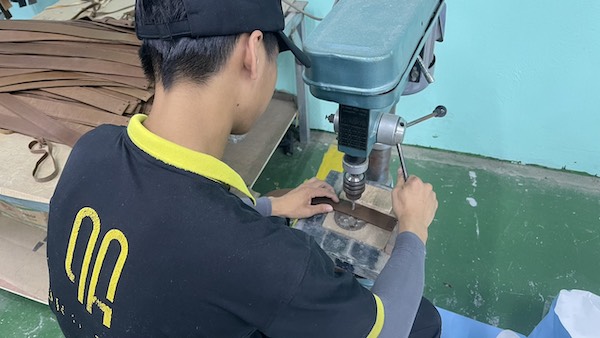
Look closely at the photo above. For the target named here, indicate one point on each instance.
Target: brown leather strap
(68, 50)
(136, 110)
(10, 121)
(103, 45)
(117, 95)
(54, 84)
(378, 219)
(80, 128)
(45, 148)
(116, 22)
(92, 98)
(17, 71)
(43, 94)
(20, 36)
(147, 108)
(136, 82)
(134, 102)
(74, 112)
(143, 95)
(101, 25)
(70, 64)
(60, 28)
(40, 76)
(39, 119)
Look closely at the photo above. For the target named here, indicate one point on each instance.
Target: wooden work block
(377, 198)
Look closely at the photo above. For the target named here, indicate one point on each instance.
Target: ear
(252, 53)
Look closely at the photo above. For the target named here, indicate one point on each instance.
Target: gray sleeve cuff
(400, 285)
(263, 205)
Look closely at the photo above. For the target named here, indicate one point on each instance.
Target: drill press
(365, 55)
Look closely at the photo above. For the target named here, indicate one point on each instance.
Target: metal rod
(426, 72)
(439, 111)
(402, 162)
(419, 120)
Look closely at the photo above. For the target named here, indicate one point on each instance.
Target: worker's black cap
(205, 18)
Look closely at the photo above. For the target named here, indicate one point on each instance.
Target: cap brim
(285, 43)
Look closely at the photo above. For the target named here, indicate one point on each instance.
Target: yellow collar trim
(183, 158)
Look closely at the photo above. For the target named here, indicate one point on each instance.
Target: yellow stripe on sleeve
(376, 330)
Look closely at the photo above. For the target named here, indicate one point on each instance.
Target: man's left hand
(297, 203)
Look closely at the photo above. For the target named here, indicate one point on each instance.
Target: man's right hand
(414, 204)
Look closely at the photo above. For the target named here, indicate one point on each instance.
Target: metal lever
(426, 72)
(402, 162)
(439, 111)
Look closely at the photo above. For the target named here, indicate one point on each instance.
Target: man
(146, 239)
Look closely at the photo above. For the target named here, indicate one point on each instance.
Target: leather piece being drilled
(378, 219)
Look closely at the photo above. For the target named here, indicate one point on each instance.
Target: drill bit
(353, 205)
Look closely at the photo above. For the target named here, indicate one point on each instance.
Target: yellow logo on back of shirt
(112, 235)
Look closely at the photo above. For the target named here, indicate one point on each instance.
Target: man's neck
(196, 117)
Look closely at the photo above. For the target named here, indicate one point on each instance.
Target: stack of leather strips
(60, 79)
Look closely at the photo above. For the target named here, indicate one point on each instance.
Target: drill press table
(363, 250)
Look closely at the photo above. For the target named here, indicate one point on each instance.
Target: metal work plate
(348, 222)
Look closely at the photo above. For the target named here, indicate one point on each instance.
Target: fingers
(318, 186)
(400, 181)
(317, 183)
(325, 192)
(320, 209)
(312, 180)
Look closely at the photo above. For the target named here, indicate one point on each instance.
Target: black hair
(194, 59)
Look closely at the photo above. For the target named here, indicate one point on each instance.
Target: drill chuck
(354, 176)
(354, 186)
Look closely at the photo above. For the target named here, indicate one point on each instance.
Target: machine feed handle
(402, 162)
(439, 111)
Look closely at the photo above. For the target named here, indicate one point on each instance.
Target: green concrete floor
(20, 317)
(499, 257)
